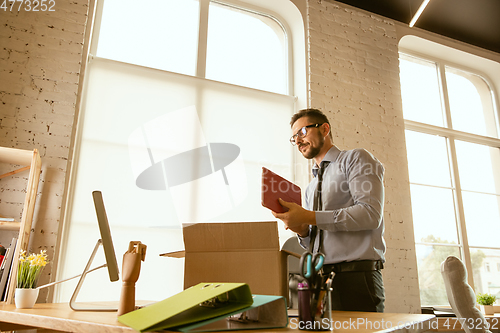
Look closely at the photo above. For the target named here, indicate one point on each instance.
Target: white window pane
(486, 281)
(420, 91)
(433, 215)
(429, 259)
(246, 49)
(161, 34)
(482, 217)
(478, 167)
(470, 103)
(427, 159)
(227, 115)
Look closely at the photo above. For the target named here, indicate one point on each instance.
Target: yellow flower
(30, 268)
(22, 256)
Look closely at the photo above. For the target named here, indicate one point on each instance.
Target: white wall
(354, 77)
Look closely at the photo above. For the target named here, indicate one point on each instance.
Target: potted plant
(485, 302)
(29, 271)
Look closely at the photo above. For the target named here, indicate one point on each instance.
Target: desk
(59, 317)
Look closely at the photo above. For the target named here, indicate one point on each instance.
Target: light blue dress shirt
(352, 218)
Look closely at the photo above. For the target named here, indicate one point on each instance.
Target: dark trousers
(358, 291)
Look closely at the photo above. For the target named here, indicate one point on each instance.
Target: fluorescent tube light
(419, 12)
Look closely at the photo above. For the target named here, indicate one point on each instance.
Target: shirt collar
(330, 156)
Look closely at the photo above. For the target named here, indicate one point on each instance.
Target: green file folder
(266, 312)
(198, 303)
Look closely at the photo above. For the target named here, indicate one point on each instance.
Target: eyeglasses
(302, 133)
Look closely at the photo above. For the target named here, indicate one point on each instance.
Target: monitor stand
(85, 306)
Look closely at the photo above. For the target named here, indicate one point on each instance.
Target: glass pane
(420, 91)
(429, 259)
(470, 103)
(433, 215)
(476, 165)
(246, 49)
(482, 218)
(486, 271)
(427, 159)
(161, 34)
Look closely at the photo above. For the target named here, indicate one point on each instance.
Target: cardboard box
(246, 252)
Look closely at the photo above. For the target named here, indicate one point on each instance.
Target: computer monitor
(109, 252)
(107, 242)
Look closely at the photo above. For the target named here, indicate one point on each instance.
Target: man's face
(311, 144)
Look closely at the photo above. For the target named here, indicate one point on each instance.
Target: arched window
(184, 102)
(453, 147)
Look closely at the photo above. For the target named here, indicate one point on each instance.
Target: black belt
(354, 266)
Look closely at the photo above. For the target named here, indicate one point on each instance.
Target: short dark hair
(315, 115)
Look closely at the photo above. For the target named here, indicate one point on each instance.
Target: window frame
(451, 136)
(201, 59)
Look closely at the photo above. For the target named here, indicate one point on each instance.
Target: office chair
(461, 296)
(294, 277)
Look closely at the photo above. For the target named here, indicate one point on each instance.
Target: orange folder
(274, 187)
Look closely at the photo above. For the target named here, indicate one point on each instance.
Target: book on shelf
(3, 250)
(6, 268)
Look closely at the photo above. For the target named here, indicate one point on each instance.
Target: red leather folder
(275, 187)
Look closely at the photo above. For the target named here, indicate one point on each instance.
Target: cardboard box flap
(216, 237)
(176, 254)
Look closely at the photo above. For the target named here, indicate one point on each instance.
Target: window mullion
(446, 132)
(201, 63)
(444, 95)
(96, 15)
(459, 208)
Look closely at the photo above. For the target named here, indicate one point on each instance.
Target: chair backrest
(461, 296)
(294, 277)
(292, 245)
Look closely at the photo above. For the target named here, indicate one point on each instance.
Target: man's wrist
(304, 233)
(311, 218)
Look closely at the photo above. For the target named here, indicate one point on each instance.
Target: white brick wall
(40, 56)
(354, 78)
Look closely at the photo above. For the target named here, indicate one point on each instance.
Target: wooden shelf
(30, 162)
(10, 225)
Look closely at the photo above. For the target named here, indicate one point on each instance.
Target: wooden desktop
(59, 317)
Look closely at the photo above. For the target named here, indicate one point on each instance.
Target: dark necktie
(317, 206)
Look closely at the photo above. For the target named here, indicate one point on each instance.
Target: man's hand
(297, 218)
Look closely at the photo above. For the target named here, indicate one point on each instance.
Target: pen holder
(315, 308)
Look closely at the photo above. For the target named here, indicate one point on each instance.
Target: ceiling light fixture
(419, 12)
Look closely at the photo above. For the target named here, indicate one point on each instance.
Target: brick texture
(40, 58)
(354, 78)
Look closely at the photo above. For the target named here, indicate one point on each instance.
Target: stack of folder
(210, 307)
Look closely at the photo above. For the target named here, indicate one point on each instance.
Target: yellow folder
(198, 303)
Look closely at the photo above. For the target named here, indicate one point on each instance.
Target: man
(343, 214)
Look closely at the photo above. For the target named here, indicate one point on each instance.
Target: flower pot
(487, 309)
(25, 298)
